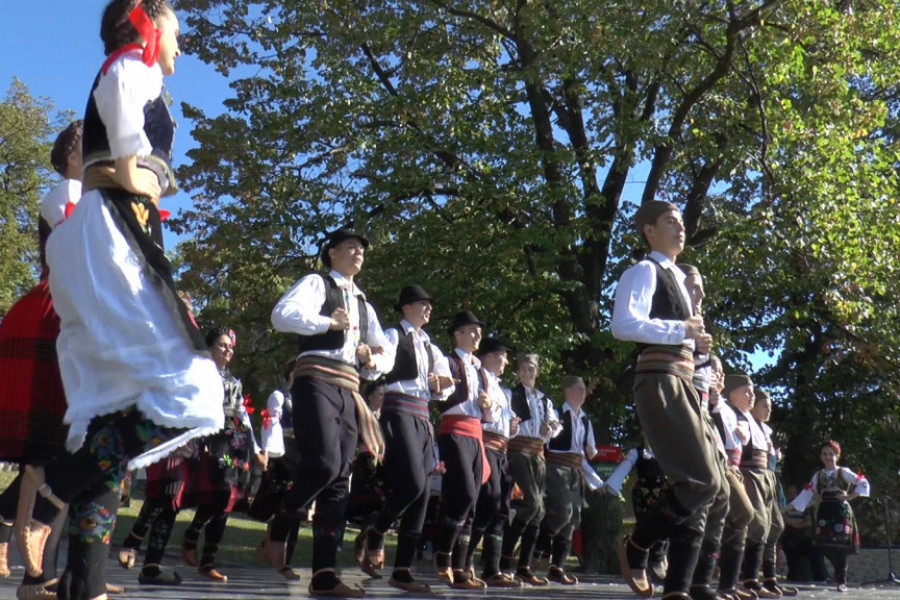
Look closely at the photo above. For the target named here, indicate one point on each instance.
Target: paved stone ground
(256, 583)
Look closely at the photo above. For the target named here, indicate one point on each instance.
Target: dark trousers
(715, 526)
(461, 483)
(326, 434)
(408, 463)
(491, 514)
(529, 471)
(776, 527)
(672, 421)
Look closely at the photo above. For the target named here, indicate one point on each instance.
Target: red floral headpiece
(834, 446)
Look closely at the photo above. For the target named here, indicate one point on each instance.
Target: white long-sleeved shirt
(542, 411)
(620, 474)
(501, 412)
(419, 387)
(582, 439)
(273, 430)
(298, 312)
(861, 486)
(634, 298)
(470, 407)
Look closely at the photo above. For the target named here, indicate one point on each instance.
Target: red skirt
(32, 400)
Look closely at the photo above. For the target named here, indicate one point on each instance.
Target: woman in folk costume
(137, 375)
(221, 469)
(32, 401)
(835, 524)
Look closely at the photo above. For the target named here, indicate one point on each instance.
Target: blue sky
(54, 48)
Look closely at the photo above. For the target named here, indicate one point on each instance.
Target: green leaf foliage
(495, 151)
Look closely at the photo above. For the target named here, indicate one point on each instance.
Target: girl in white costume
(136, 372)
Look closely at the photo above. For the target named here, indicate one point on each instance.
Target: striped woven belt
(567, 459)
(495, 441)
(406, 404)
(526, 445)
(757, 461)
(673, 360)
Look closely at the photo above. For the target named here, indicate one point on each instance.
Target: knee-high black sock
(528, 546)
(684, 549)
(215, 531)
(461, 551)
(511, 538)
(753, 554)
(706, 565)
(560, 552)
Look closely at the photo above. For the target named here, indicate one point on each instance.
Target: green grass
(242, 536)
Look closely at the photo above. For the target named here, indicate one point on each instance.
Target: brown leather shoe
(413, 586)
(112, 588)
(210, 572)
(560, 576)
(339, 591)
(502, 581)
(444, 574)
(525, 575)
(752, 585)
(288, 573)
(462, 581)
(635, 578)
(741, 594)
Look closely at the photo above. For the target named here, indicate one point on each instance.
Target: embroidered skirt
(125, 337)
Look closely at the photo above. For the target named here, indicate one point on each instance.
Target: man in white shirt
(754, 464)
(421, 373)
(340, 340)
(653, 308)
(462, 452)
(492, 506)
(565, 485)
(538, 424)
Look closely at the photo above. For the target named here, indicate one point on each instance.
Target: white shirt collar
(662, 259)
(408, 327)
(468, 358)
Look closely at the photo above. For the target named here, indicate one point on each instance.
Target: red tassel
(248, 404)
(266, 418)
(148, 31)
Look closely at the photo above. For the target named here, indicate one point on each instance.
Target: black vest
(461, 392)
(519, 403)
(158, 127)
(405, 366)
(668, 303)
(563, 442)
(332, 339)
(752, 457)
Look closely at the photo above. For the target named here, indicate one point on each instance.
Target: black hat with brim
(410, 294)
(463, 318)
(339, 235)
(491, 344)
